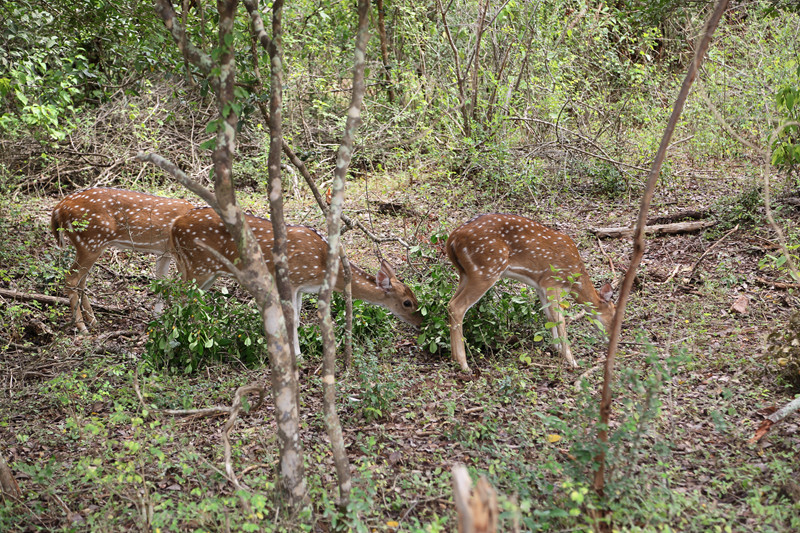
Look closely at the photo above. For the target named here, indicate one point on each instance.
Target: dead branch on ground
(708, 250)
(50, 300)
(658, 229)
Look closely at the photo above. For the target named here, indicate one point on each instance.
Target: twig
(778, 284)
(47, 299)
(697, 263)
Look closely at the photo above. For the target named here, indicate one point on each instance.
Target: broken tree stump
(477, 509)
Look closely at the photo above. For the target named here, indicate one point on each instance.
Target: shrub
(199, 326)
(497, 317)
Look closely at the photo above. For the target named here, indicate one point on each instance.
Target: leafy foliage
(61, 56)
(495, 319)
(199, 327)
(786, 145)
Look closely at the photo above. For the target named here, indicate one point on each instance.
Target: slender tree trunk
(473, 111)
(275, 187)
(387, 67)
(332, 267)
(251, 272)
(639, 248)
(462, 92)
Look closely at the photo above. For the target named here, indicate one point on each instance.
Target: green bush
(786, 144)
(498, 316)
(198, 327)
(742, 209)
(372, 325)
(607, 180)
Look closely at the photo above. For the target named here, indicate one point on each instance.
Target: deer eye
(407, 303)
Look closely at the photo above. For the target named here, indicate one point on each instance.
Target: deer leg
(297, 303)
(79, 303)
(551, 304)
(162, 269)
(468, 292)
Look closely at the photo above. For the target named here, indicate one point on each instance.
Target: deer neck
(364, 285)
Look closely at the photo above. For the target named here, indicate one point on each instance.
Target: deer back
(98, 217)
(502, 245)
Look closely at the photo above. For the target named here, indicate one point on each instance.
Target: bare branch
(172, 169)
(639, 242)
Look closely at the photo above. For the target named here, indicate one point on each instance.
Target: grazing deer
(94, 219)
(307, 252)
(490, 247)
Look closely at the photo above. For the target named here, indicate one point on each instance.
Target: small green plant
(742, 209)
(375, 394)
(786, 144)
(607, 180)
(501, 318)
(372, 324)
(199, 326)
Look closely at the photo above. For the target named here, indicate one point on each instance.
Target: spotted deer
(494, 246)
(94, 219)
(307, 252)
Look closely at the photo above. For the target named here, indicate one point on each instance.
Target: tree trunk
(343, 159)
(636, 257)
(387, 67)
(251, 272)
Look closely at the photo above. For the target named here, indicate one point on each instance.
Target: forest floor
(694, 380)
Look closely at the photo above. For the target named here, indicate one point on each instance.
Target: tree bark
(387, 67)
(275, 187)
(638, 252)
(477, 509)
(252, 272)
(8, 485)
(343, 159)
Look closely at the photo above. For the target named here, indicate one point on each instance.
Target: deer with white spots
(307, 252)
(494, 246)
(94, 219)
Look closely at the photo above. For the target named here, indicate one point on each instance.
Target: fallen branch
(679, 227)
(777, 284)
(775, 418)
(50, 300)
(690, 214)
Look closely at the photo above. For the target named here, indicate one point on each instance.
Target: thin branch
(639, 242)
(172, 169)
(700, 259)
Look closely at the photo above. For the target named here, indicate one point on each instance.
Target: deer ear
(384, 277)
(606, 292)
